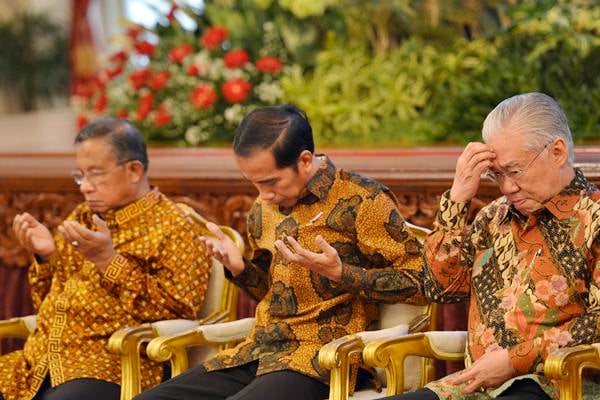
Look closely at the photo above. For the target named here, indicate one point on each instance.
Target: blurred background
(369, 73)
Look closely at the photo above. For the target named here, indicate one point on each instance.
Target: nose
(266, 195)
(86, 186)
(508, 186)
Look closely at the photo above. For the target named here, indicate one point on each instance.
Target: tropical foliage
(384, 72)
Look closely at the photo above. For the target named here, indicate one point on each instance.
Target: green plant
(33, 59)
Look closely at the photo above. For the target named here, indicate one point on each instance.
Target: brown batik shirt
(299, 310)
(533, 282)
(160, 272)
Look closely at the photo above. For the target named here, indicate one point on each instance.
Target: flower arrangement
(184, 89)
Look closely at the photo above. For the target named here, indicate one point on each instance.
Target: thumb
(215, 230)
(100, 224)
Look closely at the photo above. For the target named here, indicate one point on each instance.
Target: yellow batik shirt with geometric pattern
(533, 281)
(160, 272)
(299, 310)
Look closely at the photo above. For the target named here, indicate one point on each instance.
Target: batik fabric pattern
(298, 310)
(533, 282)
(159, 272)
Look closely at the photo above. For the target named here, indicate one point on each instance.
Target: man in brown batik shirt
(327, 244)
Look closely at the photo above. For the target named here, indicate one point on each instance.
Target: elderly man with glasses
(530, 262)
(125, 256)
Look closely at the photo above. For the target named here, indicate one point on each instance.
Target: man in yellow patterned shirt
(348, 249)
(125, 256)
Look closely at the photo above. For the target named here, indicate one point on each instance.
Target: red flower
(203, 96)
(269, 65)
(139, 78)
(214, 36)
(101, 103)
(159, 80)
(119, 56)
(178, 53)
(112, 72)
(236, 90)
(123, 113)
(82, 121)
(162, 117)
(145, 47)
(236, 58)
(133, 32)
(171, 14)
(193, 70)
(145, 106)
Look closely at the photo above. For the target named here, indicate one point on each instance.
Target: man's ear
(305, 161)
(559, 152)
(135, 171)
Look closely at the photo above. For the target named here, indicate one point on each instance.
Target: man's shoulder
(361, 184)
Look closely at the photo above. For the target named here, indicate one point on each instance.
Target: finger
(473, 386)
(100, 225)
(215, 230)
(64, 233)
(325, 246)
(74, 234)
(299, 250)
(481, 156)
(285, 252)
(464, 377)
(80, 230)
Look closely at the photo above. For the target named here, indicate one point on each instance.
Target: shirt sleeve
(583, 329)
(384, 264)
(255, 277)
(169, 284)
(449, 253)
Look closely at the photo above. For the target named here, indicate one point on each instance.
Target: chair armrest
(390, 354)
(18, 327)
(566, 365)
(336, 356)
(174, 347)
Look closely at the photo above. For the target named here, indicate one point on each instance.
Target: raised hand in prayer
(225, 251)
(95, 246)
(474, 160)
(33, 235)
(326, 263)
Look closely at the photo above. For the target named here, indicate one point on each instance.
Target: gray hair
(536, 115)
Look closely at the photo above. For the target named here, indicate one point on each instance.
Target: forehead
(259, 165)
(95, 152)
(510, 149)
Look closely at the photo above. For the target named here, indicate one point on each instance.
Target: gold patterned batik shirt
(160, 272)
(533, 282)
(298, 310)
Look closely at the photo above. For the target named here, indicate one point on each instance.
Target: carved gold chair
(564, 365)
(220, 304)
(397, 319)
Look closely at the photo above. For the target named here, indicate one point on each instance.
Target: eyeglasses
(94, 178)
(516, 174)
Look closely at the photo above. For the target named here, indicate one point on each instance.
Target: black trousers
(236, 384)
(524, 389)
(77, 389)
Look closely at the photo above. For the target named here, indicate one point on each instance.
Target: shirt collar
(116, 217)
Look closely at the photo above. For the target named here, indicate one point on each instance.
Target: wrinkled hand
(326, 263)
(95, 246)
(474, 160)
(490, 371)
(33, 235)
(225, 250)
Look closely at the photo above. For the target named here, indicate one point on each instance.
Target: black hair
(126, 140)
(285, 130)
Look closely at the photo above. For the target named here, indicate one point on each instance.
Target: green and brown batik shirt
(533, 282)
(299, 310)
